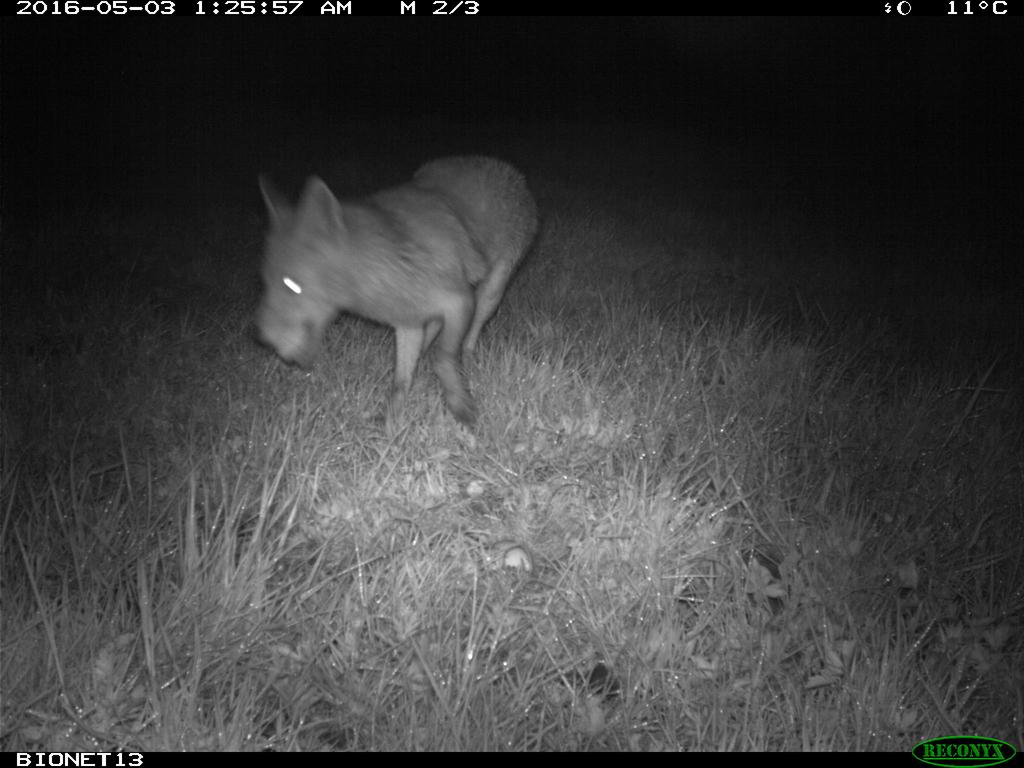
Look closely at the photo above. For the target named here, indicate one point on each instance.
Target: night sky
(920, 115)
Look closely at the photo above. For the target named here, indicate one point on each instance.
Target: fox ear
(318, 205)
(277, 206)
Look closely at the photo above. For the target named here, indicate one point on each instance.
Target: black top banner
(967, 10)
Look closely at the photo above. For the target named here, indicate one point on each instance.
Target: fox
(431, 258)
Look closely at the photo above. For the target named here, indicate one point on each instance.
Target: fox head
(296, 306)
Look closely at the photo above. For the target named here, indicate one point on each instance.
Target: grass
(714, 501)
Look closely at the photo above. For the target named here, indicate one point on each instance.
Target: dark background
(887, 127)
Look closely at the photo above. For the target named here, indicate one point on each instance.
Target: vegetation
(741, 480)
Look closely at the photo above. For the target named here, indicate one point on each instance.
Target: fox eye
(291, 285)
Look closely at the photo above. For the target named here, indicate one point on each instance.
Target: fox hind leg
(457, 315)
(488, 296)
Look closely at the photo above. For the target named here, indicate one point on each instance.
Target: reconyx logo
(960, 751)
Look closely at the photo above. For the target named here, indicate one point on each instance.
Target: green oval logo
(963, 751)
